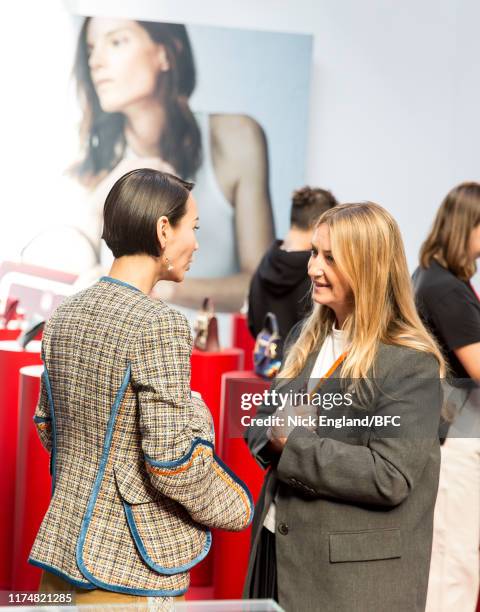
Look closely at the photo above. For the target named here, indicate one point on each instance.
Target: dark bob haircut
(135, 204)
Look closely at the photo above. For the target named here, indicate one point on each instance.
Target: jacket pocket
(166, 537)
(134, 484)
(368, 545)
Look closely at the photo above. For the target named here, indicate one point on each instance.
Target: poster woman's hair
(102, 134)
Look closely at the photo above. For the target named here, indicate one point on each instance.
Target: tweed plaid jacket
(136, 485)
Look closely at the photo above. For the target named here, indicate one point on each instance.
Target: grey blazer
(354, 509)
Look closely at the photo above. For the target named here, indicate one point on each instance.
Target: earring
(169, 264)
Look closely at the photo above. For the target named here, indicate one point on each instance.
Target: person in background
(450, 308)
(281, 283)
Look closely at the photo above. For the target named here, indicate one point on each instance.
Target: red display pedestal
(12, 358)
(33, 484)
(232, 550)
(207, 370)
(9, 334)
(242, 338)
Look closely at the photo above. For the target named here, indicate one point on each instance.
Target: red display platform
(241, 338)
(12, 358)
(33, 484)
(9, 334)
(232, 549)
(207, 371)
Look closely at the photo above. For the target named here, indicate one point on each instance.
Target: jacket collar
(115, 281)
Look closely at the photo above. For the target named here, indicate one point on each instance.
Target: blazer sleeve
(256, 435)
(176, 430)
(42, 416)
(384, 471)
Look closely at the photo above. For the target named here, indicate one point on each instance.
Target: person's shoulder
(161, 316)
(234, 122)
(435, 283)
(399, 361)
(243, 130)
(71, 303)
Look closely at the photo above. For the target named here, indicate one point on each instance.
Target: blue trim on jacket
(216, 458)
(88, 586)
(239, 482)
(176, 462)
(169, 571)
(115, 281)
(91, 505)
(53, 454)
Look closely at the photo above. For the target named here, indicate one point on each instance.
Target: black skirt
(263, 584)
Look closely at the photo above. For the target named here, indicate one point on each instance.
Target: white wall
(395, 91)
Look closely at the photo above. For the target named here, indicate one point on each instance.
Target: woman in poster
(134, 80)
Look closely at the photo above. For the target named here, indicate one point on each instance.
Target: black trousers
(264, 577)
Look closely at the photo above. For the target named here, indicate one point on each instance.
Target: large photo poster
(224, 108)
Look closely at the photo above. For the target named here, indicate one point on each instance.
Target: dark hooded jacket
(280, 285)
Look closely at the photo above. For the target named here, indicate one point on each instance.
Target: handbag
(206, 328)
(266, 357)
(33, 329)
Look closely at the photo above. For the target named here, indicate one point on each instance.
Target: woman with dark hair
(136, 485)
(134, 79)
(450, 308)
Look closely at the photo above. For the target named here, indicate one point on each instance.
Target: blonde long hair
(368, 250)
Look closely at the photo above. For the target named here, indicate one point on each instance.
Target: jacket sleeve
(176, 429)
(42, 416)
(256, 435)
(385, 470)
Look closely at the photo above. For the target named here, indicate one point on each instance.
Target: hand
(287, 419)
(276, 444)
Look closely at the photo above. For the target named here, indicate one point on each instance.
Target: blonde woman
(451, 310)
(344, 520)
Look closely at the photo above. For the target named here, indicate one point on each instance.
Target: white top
(332, 348)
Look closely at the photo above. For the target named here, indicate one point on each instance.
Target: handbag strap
(331, 370)
(271, 324)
